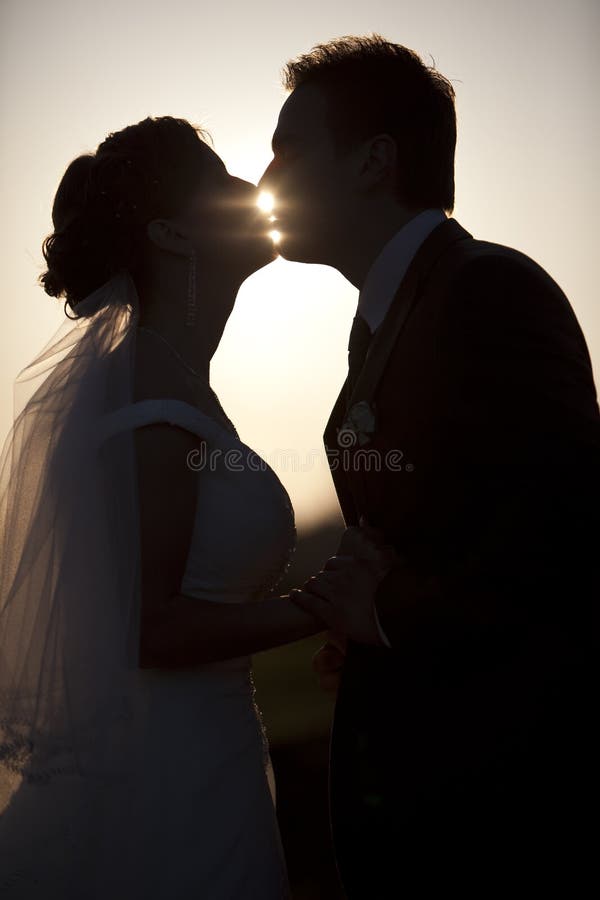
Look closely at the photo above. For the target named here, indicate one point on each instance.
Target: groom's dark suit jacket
(473, 737)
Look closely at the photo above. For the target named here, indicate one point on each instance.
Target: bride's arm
(175, 629)
(194, 631)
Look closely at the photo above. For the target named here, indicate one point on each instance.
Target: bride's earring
(190, 318)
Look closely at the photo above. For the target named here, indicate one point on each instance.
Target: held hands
(367, 544)
(342, 594)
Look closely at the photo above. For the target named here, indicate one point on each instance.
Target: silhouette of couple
(460, 607)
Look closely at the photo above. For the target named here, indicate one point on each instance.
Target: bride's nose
(248, 193)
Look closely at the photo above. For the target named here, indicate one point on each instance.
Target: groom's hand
(362, 541)
(342, 595)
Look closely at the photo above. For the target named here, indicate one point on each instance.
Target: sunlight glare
(275, 236)
(265, 201)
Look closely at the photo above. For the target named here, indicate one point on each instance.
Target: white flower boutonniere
(359, 424)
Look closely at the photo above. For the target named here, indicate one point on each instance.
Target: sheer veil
(69, 544)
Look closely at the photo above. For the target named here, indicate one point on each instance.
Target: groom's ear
(377, 161)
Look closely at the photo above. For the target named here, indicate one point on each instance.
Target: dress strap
(164, 409)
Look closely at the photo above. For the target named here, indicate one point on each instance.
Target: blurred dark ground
(297, 716)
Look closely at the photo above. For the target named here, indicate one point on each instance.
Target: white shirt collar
(384, 277)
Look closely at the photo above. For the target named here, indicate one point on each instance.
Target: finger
(313, 578)
(323, 577)
(328, 660)
(328, 585)
(341, 570)
(328, 650)
(365, 526)
(351, 535)
(338, 562)
(313, 604)
(361, 541)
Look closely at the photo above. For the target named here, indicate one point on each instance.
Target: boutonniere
(358, 425)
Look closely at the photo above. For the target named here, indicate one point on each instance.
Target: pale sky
(525, 72)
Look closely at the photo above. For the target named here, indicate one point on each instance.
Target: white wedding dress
(205, 793)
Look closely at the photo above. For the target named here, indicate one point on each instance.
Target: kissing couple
(459, 610)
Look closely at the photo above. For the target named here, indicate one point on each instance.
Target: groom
(467, 434)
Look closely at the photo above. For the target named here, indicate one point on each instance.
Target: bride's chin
(247, 259)
(266, 252)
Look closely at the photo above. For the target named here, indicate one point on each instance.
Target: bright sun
(266, 201)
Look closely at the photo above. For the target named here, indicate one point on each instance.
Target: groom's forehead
(305, 109)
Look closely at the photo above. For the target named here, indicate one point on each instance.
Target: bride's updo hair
(105, 200)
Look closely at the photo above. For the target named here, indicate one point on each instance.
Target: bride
(140, 538)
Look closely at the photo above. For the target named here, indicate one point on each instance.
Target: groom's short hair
(374, 86)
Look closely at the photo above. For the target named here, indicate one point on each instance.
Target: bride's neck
(193, 330)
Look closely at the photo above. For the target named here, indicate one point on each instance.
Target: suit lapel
(386, 337)
(336, 418)
(381, 347)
